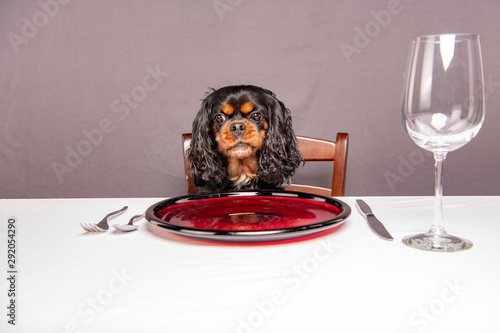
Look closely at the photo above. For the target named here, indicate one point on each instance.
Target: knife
(376, 226)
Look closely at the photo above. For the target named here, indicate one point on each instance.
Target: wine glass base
(433, 242)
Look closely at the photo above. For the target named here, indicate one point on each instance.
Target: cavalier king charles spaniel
(242, 138)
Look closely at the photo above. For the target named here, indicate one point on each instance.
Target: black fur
(278, 157)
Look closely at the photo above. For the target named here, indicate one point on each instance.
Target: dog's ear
(280, 155)
(205, 163)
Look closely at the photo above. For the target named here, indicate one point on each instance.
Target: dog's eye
(219, 118)
(256, 116)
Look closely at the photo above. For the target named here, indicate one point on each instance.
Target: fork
(103, 224)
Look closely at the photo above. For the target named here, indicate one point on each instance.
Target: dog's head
(242, 137)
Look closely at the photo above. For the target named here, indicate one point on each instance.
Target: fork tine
(88, 227)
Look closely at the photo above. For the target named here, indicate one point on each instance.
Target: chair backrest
(312, 149)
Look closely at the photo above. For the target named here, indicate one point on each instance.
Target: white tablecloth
(346, 281)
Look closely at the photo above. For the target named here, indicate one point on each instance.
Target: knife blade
(374, 224)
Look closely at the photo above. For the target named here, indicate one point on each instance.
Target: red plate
(248, 216)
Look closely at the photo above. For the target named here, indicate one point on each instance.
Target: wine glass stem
(437, 227)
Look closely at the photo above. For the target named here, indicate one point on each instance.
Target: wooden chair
(312, 150)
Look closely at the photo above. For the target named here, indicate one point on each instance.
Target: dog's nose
(238, 129)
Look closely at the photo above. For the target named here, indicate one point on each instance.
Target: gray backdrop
(94, 95)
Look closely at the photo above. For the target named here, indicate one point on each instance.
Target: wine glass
(442, 110)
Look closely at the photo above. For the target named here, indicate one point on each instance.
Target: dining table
(59, 278)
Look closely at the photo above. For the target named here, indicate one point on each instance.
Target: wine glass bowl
(442, 110)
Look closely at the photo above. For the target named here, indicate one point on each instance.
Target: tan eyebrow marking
(228, 109)
(247, 107)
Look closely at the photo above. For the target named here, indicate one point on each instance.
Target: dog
(242, 139)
